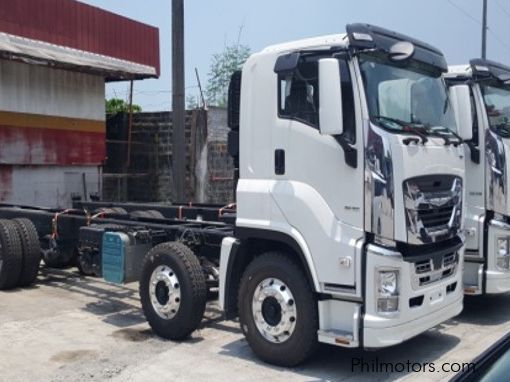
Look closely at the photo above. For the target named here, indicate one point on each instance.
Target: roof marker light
(481, 68)
(362, 36)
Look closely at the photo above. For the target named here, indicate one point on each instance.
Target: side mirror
(461, 103)
(330, 97)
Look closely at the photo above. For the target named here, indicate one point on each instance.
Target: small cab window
(474, 115)
(299, 95)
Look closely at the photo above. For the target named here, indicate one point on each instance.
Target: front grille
(433, 204)
(434, 218)
(426, 273)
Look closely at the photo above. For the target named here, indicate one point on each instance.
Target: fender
(240, 256)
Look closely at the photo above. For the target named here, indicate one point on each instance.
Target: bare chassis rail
(201, 226)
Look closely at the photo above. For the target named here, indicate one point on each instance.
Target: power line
(499, 39)
(466, 13)
(502, 8)
(471, 17)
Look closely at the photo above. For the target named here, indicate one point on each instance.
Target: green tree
(223, 65)
(117, 105)
(191, 102)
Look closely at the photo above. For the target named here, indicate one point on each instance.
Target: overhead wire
(473, 18)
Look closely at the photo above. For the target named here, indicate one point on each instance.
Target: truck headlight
(502, 255)
(387, 291)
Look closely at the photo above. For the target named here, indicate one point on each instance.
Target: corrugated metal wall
(48, 186)
(51, 117)
(81, 26)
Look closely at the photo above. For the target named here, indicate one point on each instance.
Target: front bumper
(497, 281)
(421, 307)
(393, 335)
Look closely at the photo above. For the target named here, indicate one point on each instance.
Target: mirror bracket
(475, 152)
(350, 152)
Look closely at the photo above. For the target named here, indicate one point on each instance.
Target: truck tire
(278, 310)
(147, 214)
(11, 255)
(110, 210)
(173, 290)
(31, 247)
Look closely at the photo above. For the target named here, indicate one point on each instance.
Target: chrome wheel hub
(274, 310)
(165, 292)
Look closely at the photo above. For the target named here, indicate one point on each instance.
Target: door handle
(279, 162)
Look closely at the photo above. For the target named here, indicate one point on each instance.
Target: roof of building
(71, 35)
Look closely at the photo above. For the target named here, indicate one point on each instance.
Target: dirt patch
(72, 355)
(132, 335)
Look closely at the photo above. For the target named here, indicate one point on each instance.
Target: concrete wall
(220, 167)
(209, 168)
(148, 175)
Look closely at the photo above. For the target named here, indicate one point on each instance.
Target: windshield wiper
(451, 132)
(406, 126)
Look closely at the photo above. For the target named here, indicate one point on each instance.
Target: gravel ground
(70, 328)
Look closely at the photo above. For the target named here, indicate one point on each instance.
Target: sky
(454, 26)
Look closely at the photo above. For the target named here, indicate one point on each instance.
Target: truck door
(321, 194)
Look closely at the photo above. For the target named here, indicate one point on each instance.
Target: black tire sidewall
(12, 255)
(31, 251)
(304, 338)
(185, 320)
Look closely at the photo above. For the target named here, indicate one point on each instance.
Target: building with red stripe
(55, 58)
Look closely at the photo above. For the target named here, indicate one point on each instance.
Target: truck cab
(349, 194)
(487, 223)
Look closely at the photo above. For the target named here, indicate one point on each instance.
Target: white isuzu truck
(487, 222)
(349, 198)
(347, 228)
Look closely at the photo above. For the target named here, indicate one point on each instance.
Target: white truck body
(487, 188)
(351, 224)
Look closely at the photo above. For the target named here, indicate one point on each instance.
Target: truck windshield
(406, 98)
(497, 104)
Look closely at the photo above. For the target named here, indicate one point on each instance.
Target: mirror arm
(474, 150)
(350, 153)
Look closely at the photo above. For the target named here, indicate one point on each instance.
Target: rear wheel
(31, 251)
(11, 255)
(277, 310)
(173, 290)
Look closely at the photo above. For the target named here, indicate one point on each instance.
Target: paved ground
(69, 328)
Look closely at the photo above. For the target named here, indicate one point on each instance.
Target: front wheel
(277, 310)
(173, 290)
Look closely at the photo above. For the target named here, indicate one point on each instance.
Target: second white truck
(487, 112)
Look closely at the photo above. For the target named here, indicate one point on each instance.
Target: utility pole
(178, 102)
(484, 30)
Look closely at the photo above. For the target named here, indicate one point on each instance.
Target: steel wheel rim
(165, 292)
(274, 310)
